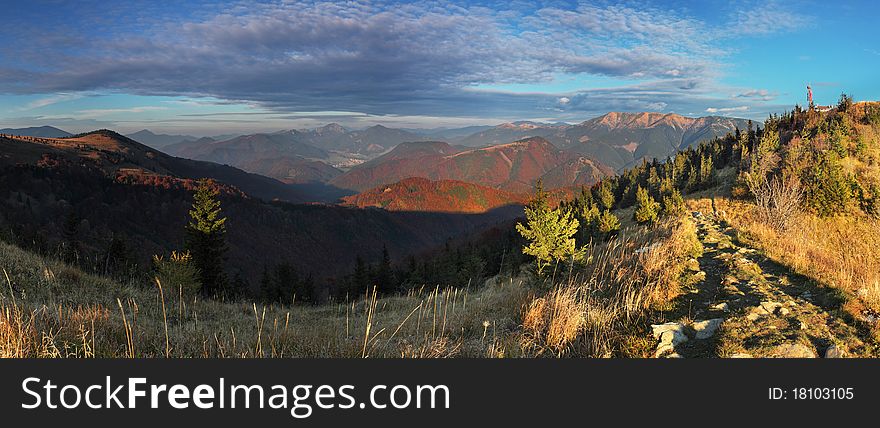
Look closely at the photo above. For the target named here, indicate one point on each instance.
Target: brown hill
(292, 169)
(513, 167)
(116, 155)
(422, 194)
(616, 139)
(118, 188)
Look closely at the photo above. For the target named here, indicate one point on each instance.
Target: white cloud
(727, 109)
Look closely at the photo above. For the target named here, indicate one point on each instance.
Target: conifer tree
(550, 232)
(608, 224)
(361, 280)
(206, 237)
(384, 273)
(646, 207)
(673, 203)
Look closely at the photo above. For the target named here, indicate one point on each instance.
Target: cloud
(93, 113)
(727, 109)
(47, 101)
(415, 59)
(764, 18)
(757, 94)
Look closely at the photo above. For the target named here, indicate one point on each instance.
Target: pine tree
(673, 204)
(384, 273)
(608, 224)
(646, 207)
(550, 232)
(206, 237)
(361, 278)
(70, 239)
(604, 195)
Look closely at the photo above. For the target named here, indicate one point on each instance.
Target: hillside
(38, 131)
(116, 188)
(292, 169)
(421, 194)
(246, 148)
(117, 157)
(616, 139)
(158, 141)
(512, 167)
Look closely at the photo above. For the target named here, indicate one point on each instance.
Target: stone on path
(720, 307)
(835, 351)
(793, 350)
(669, 335)
(705, 329)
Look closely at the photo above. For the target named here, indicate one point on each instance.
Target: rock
(770, 307)
(835, 351)
(753, 316)
(673, 337)
(659, 329)
(793, 350)
(784, 311)
(741, 355)
(705, 329)
(669, 335)
(663, 348)
(720, 307)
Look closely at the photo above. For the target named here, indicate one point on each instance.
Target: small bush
(178, 273)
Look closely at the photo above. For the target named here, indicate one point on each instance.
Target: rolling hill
(247, 148)
(292, 169)
(513, 167)
(117, 156)
(116, 187)
(615, 139)
(422, 194)
(37, 131)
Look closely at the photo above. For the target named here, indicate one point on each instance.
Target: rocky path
(739, 304)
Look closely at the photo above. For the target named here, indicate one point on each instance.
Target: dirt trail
(738, 303)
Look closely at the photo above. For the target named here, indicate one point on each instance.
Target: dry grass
(50, 310)
(599, 310)
(840, 252)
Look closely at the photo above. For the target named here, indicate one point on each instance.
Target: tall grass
(48, 309)
(840, 251)
(598, 310)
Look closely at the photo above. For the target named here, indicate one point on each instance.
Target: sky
(209, 68)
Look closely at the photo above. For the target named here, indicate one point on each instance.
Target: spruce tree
(206, 237)
(646, 207)
(361, 278)
(550, 232)
(384, 274)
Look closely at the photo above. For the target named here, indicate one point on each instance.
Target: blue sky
(208, 68)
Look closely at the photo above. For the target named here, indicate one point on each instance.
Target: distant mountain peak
(44, 131)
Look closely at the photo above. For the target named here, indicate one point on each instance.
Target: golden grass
(44, 313)
(841, 252)
(599, 310)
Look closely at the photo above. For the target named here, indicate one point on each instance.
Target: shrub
(608, 224)
(673, 204)
(550, 232)
(646, 207)
(178, 273)
(829, 190)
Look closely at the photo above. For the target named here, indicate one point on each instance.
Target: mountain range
(512, 167)
(115, 186)
(37, 131)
